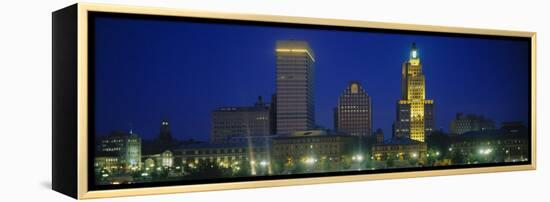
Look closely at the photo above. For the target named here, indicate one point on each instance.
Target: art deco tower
(353, 114)
(295, 105)
(414, 112)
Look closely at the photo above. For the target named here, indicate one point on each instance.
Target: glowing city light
(310, 160)
(357, 157)
(485, 151)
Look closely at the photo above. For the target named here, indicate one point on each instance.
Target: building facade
(119, 151)
(379, 136)
(231, 122)
(254, 155)
(294, 86)
(353, 114)
(164, 160)
(489, 146)
(399, 148)
(471, 122)
(415, 117)
(311, 146)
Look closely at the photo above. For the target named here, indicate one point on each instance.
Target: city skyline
(169, 101)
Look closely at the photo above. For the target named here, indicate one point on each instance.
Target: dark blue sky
(147, 70)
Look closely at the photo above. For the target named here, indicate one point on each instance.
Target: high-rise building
(471, 122)
(415, 118)
(353, 114)
(236, 122)
(295, 86)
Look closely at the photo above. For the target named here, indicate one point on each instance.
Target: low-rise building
(504, 145)
(312, 146)
(230, 122)
(399, 148)
(471, 122)
(118, 151)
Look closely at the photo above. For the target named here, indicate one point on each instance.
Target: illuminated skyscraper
(295, 92)
(353, 114)
(415, 118)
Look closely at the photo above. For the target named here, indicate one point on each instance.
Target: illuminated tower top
(414, 52)
(412, 80)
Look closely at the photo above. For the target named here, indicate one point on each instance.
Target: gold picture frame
(75, 18)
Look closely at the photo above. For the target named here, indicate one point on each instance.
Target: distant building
(273, 114)
(164, 141)
(514, 127)
(379, 136)
(511, 143)
(225, 153)
(164, 159)
(254, 156)
(399, 148)
(294, 86)
(119, 151)
(353, 114)
(229, 122)
(312, 146)
(415, 117)
(471, 122)
(165, 136)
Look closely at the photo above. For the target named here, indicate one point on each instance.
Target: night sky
(147, 70)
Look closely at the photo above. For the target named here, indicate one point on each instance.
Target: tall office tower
(295, 91)
(353, 114)
(415, 118)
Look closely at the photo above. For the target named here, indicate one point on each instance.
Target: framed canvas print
(151, 100)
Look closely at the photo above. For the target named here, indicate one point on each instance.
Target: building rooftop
(296, 46)
(400, 141)
(206, 145)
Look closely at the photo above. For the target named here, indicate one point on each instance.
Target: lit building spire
(414, 52)
(414, 112)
